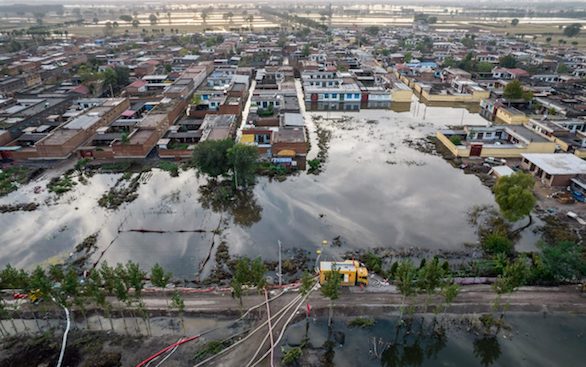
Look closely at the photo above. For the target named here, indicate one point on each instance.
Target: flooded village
(202, 173)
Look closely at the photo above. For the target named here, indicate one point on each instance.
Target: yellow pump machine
(352, 272)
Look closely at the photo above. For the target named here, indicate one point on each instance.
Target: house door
(475, 150)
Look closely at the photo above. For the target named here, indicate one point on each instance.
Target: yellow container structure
(352, 272)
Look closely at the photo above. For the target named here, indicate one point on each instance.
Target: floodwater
(131, 324)
(374, 191)
(534, 340)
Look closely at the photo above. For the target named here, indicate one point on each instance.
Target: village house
(61, 142)
(500, 141)
(553, 170)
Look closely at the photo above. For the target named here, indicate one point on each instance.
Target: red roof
(138, 83)
(80, 89)
(128, 113)
(518, 72)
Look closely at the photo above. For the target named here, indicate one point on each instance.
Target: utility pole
(280, 272)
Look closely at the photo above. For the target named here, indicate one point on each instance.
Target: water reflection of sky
(375, 192)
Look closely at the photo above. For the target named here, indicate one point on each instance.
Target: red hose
(141, 364)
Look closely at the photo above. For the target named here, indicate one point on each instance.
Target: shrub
(456, 139)
(291, 356)
(497, 243)
(373, 262)
(60, 185)
(314, 165)
(170, 167)
(361, 322)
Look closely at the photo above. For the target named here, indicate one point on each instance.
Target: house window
(326, 95)
(334, 95)
(357, 96)
(480, 136)
(262, 139)
(498, 134)
(349, 95)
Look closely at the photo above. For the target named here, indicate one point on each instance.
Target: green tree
(563, 262)
(126, 18)
(406, 281)
(449, 62)
(159, 277)
(204, 15)
(508, 61)
(124, 138)
(372, 30)
(430, 278)
(514, 276)
(484, 67)
(572, 30)
(331, 290)
(110, 80)
(178, 303)
(243, 162)
(450, 291)
(563, 69)
(513, 90)
(135, 278)
(211, 157)
(306, 50)
(39, 281)
(153, 19)
(408, 57)
(135, 23)
(514, 195)
(307, 282)
(514, 22)
(12, 278)
(248, 272)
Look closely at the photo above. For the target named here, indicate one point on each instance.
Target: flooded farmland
(374, 191)
(554, 340)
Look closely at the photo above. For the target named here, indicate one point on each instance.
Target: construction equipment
(352, 272)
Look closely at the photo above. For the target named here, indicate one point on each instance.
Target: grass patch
(211, 348)
(120, 194)
(170, 167)
(60, 185)
(361, 322)
(11, 177)
(291, 356)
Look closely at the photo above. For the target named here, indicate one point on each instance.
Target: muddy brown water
(374, 191)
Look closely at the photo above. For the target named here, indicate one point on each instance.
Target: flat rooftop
(557, 164)
(527, 133)
(59, 137)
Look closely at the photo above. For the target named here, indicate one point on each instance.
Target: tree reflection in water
(413, 345)
(241, 205)
(487, 350)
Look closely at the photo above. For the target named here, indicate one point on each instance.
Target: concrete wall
(466, 98)
(504, 116)
(401, 95)
(498, 152)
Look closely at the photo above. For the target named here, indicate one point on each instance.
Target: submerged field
(374, 191)
(530, 340)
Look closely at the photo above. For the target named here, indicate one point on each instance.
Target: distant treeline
(31, 9)
(295, 19)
